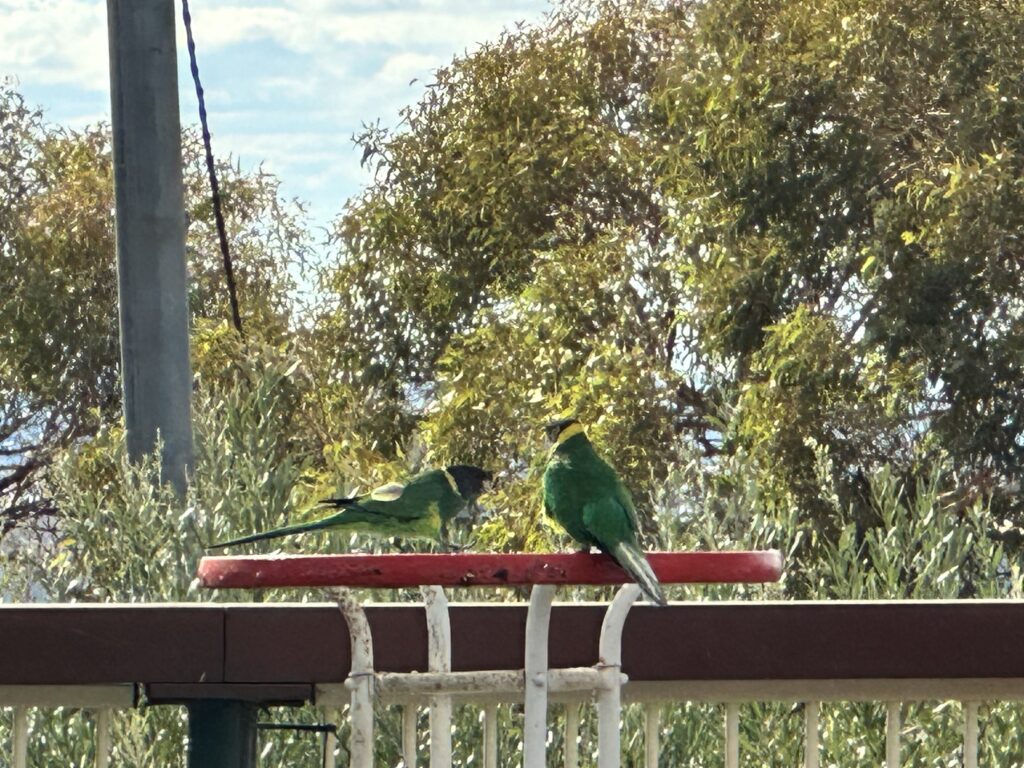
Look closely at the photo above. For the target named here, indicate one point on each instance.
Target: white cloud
(305, 26)
(55, 42)
(288, 81)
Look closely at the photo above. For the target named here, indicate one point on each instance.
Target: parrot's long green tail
(632, 560)
(316, 525)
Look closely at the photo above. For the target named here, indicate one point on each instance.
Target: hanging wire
(229, 271)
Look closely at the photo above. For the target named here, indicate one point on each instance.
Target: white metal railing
(537, 683)
(101, 699)
(440, 684)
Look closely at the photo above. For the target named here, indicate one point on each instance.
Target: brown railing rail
(100, 656)
(285, 649)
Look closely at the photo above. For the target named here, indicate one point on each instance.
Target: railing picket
(535, 705)
(732, 736)
(103, 717)
(19, 738)
(811, 711)
(572, 734)
(970, 734)
(439, 659)
(491, 736)
(409, 716)
(609, 697)
(652, 728)
(360, 681)
(892, 735)
(330, 745)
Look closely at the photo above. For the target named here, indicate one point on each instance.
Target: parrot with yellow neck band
(585, 495)
(420, 509)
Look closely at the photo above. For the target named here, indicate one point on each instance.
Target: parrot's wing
(623, 497)
(418, 499)
(608, 521)
(389, 492)
(621, 494)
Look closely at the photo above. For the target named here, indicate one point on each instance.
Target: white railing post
(410, 715)
(572, 734)
(491, 736)
(103, 718)
(970, 734)
(892, 735)
(652, 735)
(609, 665)
(732, 736)
(19, 738)
(535, 697)
(330, 747)
(360, 680)
(439, 659)
(811, 710)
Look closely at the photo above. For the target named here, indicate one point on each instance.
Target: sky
(287, 82)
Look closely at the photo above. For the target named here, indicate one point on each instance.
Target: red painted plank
(487, 569)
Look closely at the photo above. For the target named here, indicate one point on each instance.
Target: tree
(712, 229)
(852, 183)
(58, 347)
(769, 252)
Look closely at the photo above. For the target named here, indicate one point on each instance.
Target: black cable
(218, 215)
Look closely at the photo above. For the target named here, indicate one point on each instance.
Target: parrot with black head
(419, 509)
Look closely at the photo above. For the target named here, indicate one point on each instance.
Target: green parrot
(420, 509)
(583, 493)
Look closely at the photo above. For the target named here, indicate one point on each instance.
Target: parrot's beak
(548, 439)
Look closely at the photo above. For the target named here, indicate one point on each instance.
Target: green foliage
(769, 253)
(58, 343)
(925, 547)
(730, 228)
(842, 181)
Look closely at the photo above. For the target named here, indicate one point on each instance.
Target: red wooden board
(471, 569)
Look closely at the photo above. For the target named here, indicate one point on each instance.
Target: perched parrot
(419, 509)
(583, 493)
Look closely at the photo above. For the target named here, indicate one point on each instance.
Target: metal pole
(491, 736)
(652, 735)
(812, 710)
(330, 745)
(409, 718)
(155, 369)
(732, 736)
(103, 718)
(892, 735)
(221, 734)
(535, 697)
(360, 681)
(439, 659)
(572, 734)
(970, 734)
(609, 698)
(19, 738)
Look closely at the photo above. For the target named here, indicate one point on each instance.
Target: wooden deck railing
(98, 656)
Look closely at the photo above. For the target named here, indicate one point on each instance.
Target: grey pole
(149, 194)
(153, 294)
